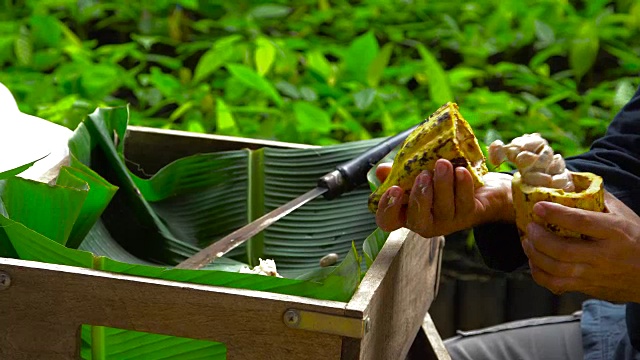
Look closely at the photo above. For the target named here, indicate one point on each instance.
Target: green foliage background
(322, 71)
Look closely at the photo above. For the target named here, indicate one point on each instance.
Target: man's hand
(606, 265)
(444, 202)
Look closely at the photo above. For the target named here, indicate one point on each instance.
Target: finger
(419, 211)
(382, 171)
(590, 223)
(552, 266)
(464, 200)
(444, 205)
(557, 285)
(564, 249)
(389, 215)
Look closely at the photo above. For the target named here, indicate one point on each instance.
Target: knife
(343, 179)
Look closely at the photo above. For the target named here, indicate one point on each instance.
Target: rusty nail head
(5, 280)
(291, 318)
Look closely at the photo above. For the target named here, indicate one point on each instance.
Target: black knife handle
(353, 173)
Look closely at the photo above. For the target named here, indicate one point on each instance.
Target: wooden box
(42, 306)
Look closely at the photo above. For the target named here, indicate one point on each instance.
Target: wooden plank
(155, 148)
(439, 351)
(45, 305)
(428, 344)
(396, 293)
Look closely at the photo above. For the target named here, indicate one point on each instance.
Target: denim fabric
(604, 332)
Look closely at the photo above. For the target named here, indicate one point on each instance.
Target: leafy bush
(322, 72)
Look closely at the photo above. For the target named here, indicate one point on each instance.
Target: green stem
(98, 348)
(255, 203)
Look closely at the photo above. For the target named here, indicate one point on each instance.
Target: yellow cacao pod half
(588, 195)
(444, 135)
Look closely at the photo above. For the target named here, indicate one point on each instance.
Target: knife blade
(344, 178)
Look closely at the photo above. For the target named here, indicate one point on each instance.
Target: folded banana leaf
(147, 225)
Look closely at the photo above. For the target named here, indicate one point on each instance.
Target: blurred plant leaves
(253, 80)
(172, 61)
(584, 49)
(265, 55)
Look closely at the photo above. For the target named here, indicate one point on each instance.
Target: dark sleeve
(615, 157)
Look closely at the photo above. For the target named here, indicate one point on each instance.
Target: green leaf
(8, 173)
(31, 245)
(584, 49)
(48, 210)
(45, 30)
(311, 119)
(624, 93)
(265, 55)
(126, 344)
(100, 193)
(364, 98)
(168, 85)
(23, 46)
(99, 80)
(225, 123)
(270, 11)
(253, 80)
(219, 54)
(373, 244)
(378, 65)
(439, 89)
(360, 55)
(317, 62)
(545, 34)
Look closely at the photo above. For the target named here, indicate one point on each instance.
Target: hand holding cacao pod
(446, 201)
(438, 183)
(542, 176)
(445, 135)
(604, 267)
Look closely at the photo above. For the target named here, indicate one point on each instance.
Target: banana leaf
(153, 223)
(198, 199)
(13, 171)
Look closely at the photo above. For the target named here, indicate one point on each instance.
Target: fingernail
(459, 174)
(441, 168)
(531, 228)
(394, 195)
(424, 181)
(424, 178)
(539, 210)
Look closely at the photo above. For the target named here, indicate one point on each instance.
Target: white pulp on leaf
(266, 267)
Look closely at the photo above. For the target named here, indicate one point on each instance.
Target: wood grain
(46, 304)
(439, 351)
(396, 293)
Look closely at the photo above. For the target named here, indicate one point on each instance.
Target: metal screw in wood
(291, 318)
(5, 280)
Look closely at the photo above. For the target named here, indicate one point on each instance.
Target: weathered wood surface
(396, 293)
(435, 343)
(46, 304)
